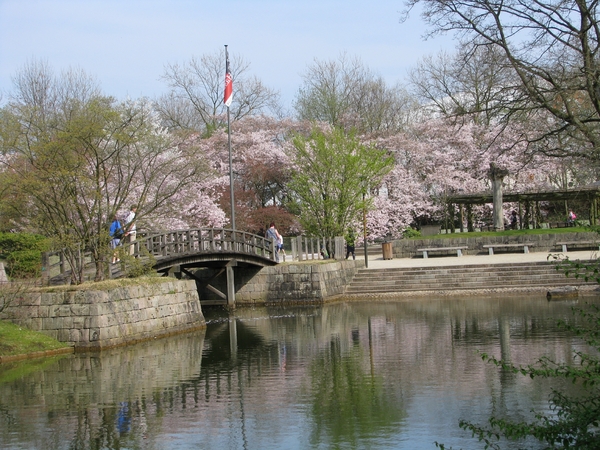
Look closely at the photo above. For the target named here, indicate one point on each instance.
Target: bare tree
(195, 101)
(346, 94)
(474, 81)
(551, 47)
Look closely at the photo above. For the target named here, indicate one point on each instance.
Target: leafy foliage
(411, 233)
(23, 253)
(586, 270)
(334, 173)
(12, 242)
(25, 264)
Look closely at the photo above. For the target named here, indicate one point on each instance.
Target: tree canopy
(72, 158)
(346, 94)
(334, 172)
(195, 100)
(551, 49)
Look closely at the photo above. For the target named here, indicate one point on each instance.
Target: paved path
(377, 261)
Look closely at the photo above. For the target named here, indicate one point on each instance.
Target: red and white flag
(228, 81)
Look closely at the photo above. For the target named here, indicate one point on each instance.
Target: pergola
(528, 202)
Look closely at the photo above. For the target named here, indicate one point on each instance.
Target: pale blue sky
(125, 44)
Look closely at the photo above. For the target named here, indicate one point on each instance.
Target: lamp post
(365, 231)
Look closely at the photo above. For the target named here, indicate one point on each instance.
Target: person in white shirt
(130, 229)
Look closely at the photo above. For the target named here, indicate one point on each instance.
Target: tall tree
(72, 158)
(471, 82)
(195, 101)
(333, 172)
(344, 93)
(551, 47)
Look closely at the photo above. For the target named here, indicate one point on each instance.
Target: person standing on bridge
(273, 236)
(130, 229)
(116, 234)
(280, 248)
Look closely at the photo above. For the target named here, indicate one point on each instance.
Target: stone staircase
(468, 277)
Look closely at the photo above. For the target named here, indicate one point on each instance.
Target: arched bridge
(180, 252)
(202, 245)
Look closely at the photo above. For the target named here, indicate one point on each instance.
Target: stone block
(94, 335)
(64, 335)
(97, 297)
(75, 335)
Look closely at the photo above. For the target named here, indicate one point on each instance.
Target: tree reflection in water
(367, 374)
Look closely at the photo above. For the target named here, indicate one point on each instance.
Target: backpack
(118, 234)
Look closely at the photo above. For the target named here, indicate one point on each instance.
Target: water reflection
(394, 374)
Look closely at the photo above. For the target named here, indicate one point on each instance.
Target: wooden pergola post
(470, 226)
(497, 175)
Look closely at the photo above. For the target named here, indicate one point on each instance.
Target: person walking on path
(571, 218)
(116, 234)
(350, 241)
(130, 229)
(513, 220)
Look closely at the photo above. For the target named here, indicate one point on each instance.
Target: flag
(228, 81)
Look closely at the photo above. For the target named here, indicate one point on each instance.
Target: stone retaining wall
(407, 248)
(297, 283)
(105, 318)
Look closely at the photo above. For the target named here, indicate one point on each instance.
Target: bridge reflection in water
(361, 374)
(216, 250)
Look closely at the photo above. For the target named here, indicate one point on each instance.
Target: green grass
(507, 233)
(16, 340)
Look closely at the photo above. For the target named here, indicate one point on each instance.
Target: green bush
(12, 242)
(23, 253)
(24, 263)
(411, 233)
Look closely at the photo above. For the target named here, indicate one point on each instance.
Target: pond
(394, 374)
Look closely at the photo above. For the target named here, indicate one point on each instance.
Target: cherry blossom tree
(73, 158)
(437, 158)
(550, 47)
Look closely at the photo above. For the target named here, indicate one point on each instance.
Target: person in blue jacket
(116, 234)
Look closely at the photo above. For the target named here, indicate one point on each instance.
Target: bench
(491, 247)
(586, 244)
(560, 224)
(426, 251)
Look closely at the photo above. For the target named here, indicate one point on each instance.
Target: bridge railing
(204, 240)
(309, 247)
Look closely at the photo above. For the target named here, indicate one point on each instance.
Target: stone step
(466, 277)
(454, 286)
(462, 268)
(514, 273)
(441, 276)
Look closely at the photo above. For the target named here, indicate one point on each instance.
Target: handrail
(164, 244)
(204, 240)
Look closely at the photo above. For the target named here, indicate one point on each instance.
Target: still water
(360, 375)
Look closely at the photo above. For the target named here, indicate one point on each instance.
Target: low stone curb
(58, 351)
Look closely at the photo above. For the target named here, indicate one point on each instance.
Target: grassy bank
(16, 340)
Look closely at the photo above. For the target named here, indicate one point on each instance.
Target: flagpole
(230, 171)
(227, 99)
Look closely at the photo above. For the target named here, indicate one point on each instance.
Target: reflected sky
(363, 374)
